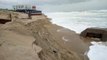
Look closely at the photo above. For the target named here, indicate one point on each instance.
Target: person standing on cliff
(29, 15)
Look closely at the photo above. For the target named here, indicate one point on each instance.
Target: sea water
(79, 21)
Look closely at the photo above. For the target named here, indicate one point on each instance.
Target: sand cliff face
(39, 39)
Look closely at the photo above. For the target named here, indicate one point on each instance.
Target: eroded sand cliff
(39, 39)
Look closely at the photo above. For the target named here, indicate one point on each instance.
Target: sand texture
(39, 39)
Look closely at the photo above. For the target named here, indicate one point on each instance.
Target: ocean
(79, 21)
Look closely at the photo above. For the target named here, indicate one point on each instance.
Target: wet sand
(69, 38)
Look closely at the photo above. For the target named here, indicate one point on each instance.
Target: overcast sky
(59, 5)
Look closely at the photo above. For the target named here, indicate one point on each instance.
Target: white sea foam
(78, 21)
(97, 51)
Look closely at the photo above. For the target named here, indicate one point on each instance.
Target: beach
(39, 39)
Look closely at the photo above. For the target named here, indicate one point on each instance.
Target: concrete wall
(95, 33)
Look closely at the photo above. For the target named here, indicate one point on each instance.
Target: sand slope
(39, 39)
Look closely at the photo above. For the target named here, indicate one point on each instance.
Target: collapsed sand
(39, 39)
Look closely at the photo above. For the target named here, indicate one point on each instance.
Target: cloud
(41, 2)
(59, 5)
(56, 2)
(80, 6)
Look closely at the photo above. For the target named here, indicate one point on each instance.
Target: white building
(21, 7)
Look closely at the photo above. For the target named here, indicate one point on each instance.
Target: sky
(59, 5)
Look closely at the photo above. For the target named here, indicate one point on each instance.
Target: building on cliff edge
(27, 9)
